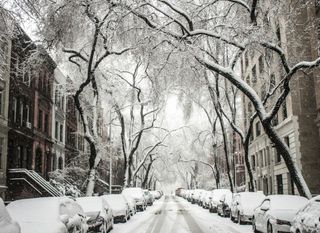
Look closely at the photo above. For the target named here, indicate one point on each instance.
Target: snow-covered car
(207, 199)
(6, 222)
(98, 212)
(276, 213)
(307, 220)
(243, 205)
(138, 196)
(195, 196)
(157, 195)
(120, 207)
(215, 200)
(132, 205)
(223, 208)
(148, 196)
(49, 215)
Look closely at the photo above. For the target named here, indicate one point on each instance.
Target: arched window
(38, 161)
(60, 163)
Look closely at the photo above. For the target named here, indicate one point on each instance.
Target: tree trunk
(292, 166)
(91, 182)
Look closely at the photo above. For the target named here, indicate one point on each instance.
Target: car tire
(269, 228)
(240, 222)
(254, 228)
(231, 218)
(104, 227)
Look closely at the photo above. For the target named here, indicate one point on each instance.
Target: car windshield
(90, 204)
(288, 202)
(251, 199)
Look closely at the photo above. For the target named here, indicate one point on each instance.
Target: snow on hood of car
(90, 204)
(133, 192)
(41, 227)
(286, 215)
(115, 201)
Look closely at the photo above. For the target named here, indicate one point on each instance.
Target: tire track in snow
(191, 222)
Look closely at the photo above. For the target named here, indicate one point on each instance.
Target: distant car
(6, 222)
(132, 205)
(156, 194)
(98, 212)
(307, 220)
(49, 215)
(223, 208)
(243, 205)
(148, 197)
(276, 213)
(138, 196)
(215, 200)
(120, 207)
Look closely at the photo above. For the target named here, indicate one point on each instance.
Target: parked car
(156, 194)
(120, 207)
(276, 213)
(215, 200)
(207, 199)
(148, 196)
(6, 222)
(132, 205)
(98, 212)
(49, 215)
(223, 208)
(138, 196)
(195, 196)
(243, 205)
(307, 220)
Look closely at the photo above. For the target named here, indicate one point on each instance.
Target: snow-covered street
(173, 214)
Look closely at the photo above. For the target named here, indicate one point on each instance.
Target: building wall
(5, 56)
(296, 119)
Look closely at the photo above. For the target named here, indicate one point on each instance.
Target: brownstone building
(30, 104)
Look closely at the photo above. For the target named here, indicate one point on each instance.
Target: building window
(14, 109)
(278, 156)
(1, 102)
(254, 75)
(261, 64)
(56, 133)
(46, 123)
(61, 133)
(253, 162)
(27, 113)
(1, 153)
(258, 129)
(279, 184)
(21, 112)
(284, 110)
(60, 163)
(287, 141)
(40, 120)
